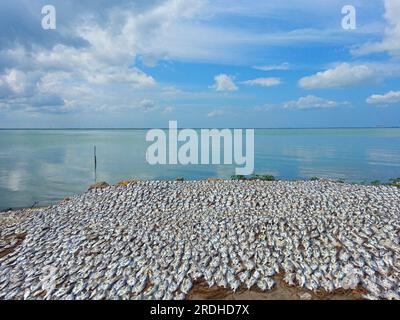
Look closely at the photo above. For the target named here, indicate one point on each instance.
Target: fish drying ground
(165, 239)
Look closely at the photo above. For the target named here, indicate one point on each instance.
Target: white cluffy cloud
(388, 98)
(264, 82)
(13, 80)
(224, 82)
(391, 39)
(100, 74)
(344, 75)
(312, 102)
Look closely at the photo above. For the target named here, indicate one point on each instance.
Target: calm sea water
(45, 166)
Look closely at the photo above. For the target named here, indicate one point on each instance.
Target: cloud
(388, 98)
(282, 66)
(98, 71)
(13, 80)
(391, 40)
(215, 113)
(342, 76)
(263, 82)
(171, 29)
(132, 76)
(147, 105)
(224, 82)
(312, 102)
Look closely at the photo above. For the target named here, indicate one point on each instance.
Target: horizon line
(198, 128)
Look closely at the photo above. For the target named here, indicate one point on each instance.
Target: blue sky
(204, 63)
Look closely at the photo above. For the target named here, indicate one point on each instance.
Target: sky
(203, 63)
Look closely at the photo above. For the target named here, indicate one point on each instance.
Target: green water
(45, 166)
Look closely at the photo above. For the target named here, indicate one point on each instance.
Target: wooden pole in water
(95, 165)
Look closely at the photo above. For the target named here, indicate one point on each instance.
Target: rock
(99, 185)
(123, 183)
(65, 200)
(180, 179)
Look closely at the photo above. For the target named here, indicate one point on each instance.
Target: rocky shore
(207, 239)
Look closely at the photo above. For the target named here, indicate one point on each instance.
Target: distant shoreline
(196, 128)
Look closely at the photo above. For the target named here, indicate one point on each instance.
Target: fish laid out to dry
(158, 239)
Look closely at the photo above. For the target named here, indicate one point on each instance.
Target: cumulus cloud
(391, 40)
(13, 80)
(342, 76)
(224, 82)
(384, 99)
(98, 71)
(312, 102)
(264, 82)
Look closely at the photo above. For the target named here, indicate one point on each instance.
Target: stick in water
(95, 165)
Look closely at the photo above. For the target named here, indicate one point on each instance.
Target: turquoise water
(45, 166)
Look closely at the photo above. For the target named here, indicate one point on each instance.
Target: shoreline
(222, 239)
